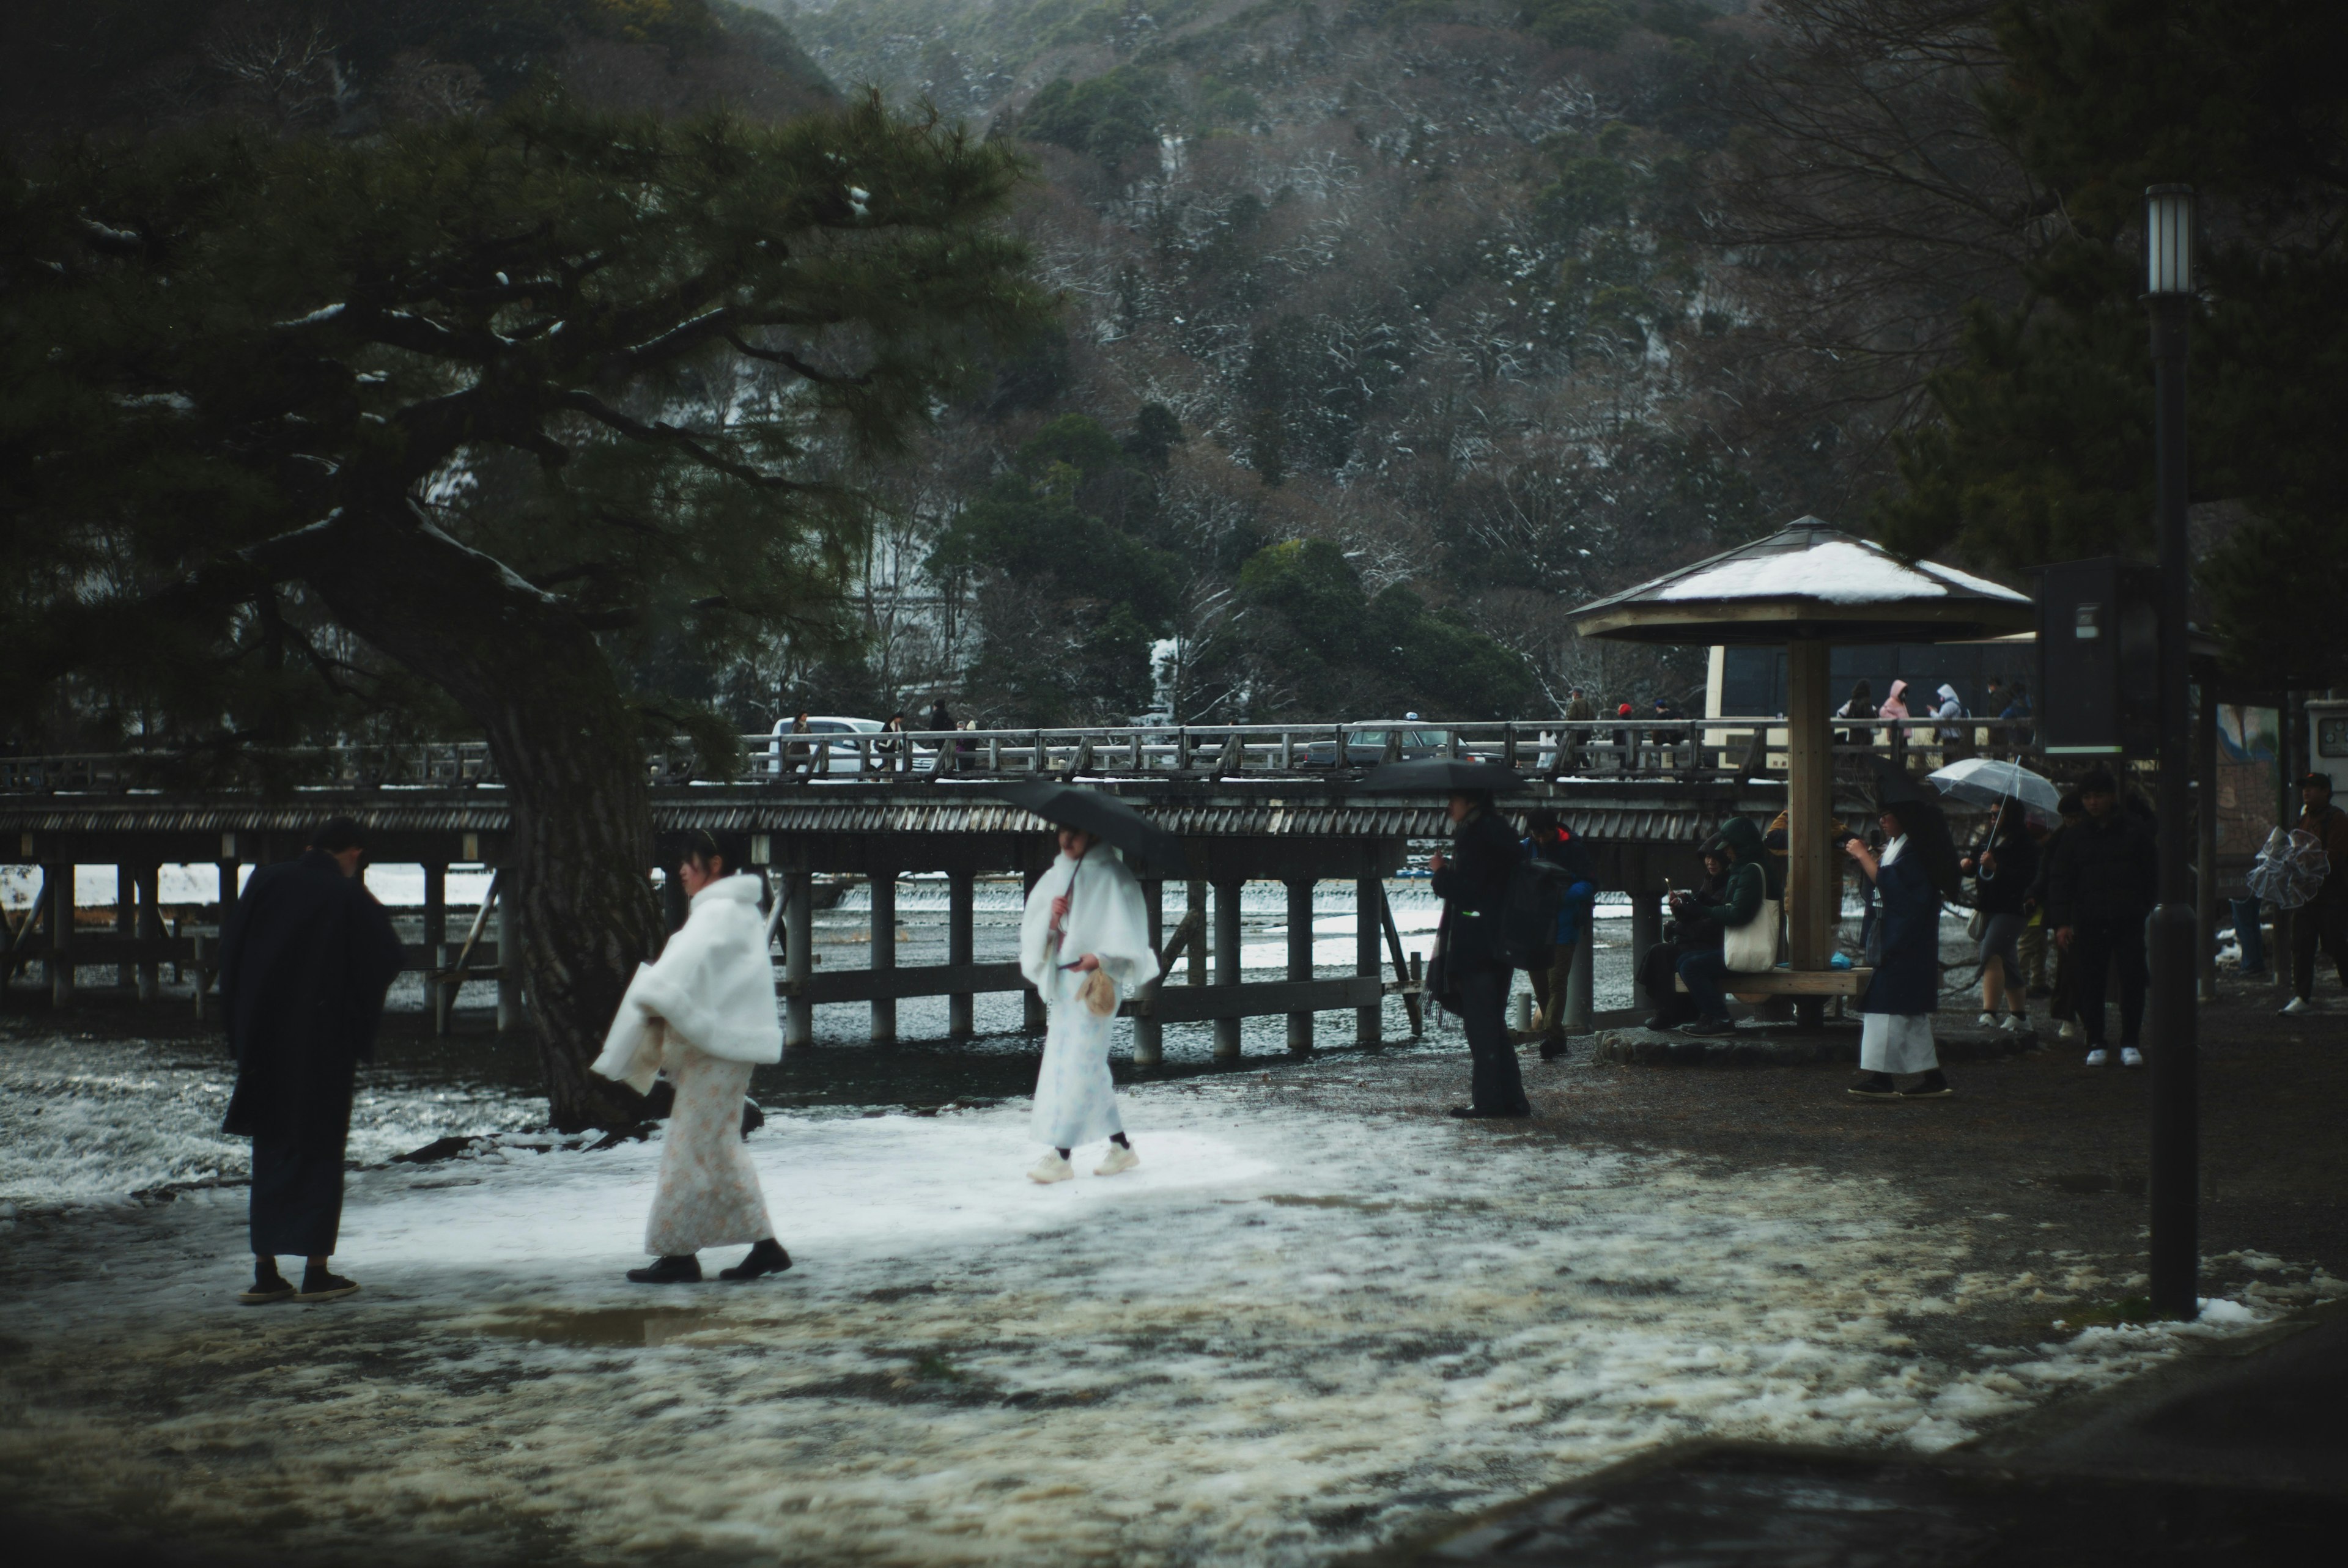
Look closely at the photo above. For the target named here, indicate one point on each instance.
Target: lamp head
(2168, 240)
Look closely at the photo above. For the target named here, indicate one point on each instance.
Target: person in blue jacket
(1546, 838)
(1917, 870)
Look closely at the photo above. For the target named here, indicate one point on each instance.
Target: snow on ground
(1290, 1334)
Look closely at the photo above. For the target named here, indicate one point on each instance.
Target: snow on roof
(1838, 572)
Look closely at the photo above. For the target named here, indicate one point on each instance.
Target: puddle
(2097, 1182)
(600, 1326)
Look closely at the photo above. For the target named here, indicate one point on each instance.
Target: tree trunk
(535, 680)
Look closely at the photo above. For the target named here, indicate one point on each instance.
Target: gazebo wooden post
(1812, 888)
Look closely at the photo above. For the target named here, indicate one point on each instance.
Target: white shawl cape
(1106, 918)
(713, 987)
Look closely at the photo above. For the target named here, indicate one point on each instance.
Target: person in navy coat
(1917, 869)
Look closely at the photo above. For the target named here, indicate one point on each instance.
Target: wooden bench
(1746, 985)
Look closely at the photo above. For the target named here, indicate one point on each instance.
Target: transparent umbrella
(1985, 780)
(2290, 869)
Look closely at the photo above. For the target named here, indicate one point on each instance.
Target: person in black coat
(1659, 965)
(2100, 885)
(1906, 883)
(304, 962)
(2004, 867)
(1473, 883)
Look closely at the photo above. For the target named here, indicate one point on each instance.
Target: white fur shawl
(1106, 918)
(713, 987)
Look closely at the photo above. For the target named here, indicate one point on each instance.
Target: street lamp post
(2172, 931)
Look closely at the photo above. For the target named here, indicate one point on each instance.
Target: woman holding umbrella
(1085, 944)
(2002, 869)
(1917, 869)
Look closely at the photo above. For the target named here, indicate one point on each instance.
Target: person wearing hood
(1956, 740)
(305, 960)
(1705, 969)
(1894, 708)
(1084, 945)
(1659, 965)
(1917, 869)
(1473, 883)
(703, 1015)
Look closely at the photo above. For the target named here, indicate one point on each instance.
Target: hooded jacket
(712, 988)
(1747, 886)
(1951, 707)
(1895, 701)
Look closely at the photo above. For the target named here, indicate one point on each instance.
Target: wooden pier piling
(883, 884)
(1227, 963)
(1299, 960)
(962, 898)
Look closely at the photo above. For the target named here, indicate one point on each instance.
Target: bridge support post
(883, 882)
(961, 901)
(436, 916)
(150, 880)
(60, 880)
(1227, 963)
(126, 922)
(1149, 1029)
(799, 957)
(1031, 1000)
(509, 964)
(1300, 962)
(1368, 894)
(1194, 895)
(1646, 913)
(1578, 979)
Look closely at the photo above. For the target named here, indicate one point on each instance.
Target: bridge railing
(1689, 750)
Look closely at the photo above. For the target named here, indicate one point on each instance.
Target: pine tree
(300, 433)
(2043, 447)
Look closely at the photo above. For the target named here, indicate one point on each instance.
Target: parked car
(1367, 748)
(836, 757)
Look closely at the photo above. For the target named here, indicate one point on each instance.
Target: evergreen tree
(2042, 448)
(496, 406)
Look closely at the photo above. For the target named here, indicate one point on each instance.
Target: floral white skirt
(708, 1194)
(1075, 1100)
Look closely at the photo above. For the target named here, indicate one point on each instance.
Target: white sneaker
(1052, 1168)
(2070, 1030)
(1989, 1020)
(2297, 1004)
(2017, 1023)
(2098, 1057)
(2131, 1056)
(1121, 1159)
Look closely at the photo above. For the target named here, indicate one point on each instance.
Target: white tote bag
(1752, 947)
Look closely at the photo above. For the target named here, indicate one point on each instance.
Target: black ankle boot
(677, 1270)
(766, 1257)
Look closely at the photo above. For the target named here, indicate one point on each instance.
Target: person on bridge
(703, 1015)
(304, 962)
(1917, 869)
(1473, 883)
(1084, 945)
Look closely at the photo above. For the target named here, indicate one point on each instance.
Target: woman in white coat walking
(703, 1015)
(1084, 945)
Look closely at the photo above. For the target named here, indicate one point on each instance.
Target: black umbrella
(1441, 775)
(1149, 849)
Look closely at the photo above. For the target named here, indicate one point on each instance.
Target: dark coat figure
(2005, 890)
(2102, 880)
(1474, 886)
(304, 962)
(1907, 977)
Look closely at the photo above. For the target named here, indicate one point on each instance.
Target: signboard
(2248, 744)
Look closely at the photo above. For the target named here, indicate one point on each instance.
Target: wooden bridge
(1281, 804)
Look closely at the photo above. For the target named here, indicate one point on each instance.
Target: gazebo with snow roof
(1809, 587)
